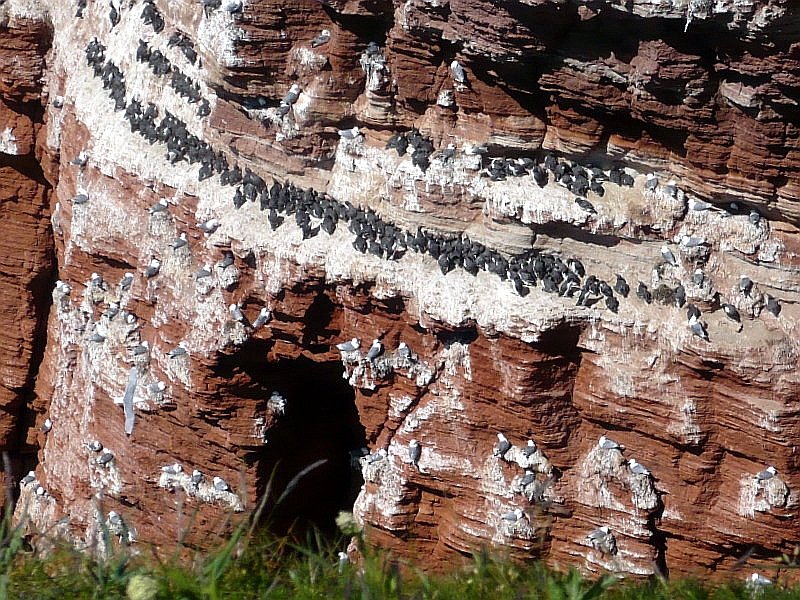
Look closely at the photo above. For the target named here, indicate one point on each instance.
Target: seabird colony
(372, 233)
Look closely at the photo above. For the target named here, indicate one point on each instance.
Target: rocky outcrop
(26, 248)
(190, 362)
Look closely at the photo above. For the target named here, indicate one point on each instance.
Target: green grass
(253, 565)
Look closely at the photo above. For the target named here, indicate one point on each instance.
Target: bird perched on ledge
(350, 346)
(322, 39)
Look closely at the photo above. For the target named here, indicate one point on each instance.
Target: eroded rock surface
(195, 319)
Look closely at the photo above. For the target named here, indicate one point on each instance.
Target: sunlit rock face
(467, 183)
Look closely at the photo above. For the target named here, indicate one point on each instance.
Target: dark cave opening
(319, 424)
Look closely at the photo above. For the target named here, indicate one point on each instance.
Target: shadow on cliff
(319, 423)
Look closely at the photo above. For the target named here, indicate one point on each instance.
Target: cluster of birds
(179, 81)
(185, 44)
(567, 278)
(234, 7)
(197, 477)
(111, 75)
(421, 147)
(151, 16)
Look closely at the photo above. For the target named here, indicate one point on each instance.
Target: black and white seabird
(209, 227)
(153, 268)
(637, 468)
(375, 350)
(698, 205)
(179, 242)
(745, 284)
(197, 477)
(97, 337)
(457, 71)
(179, 350)
(159, 207)
(95, 446)
(643, 293)
(773, 306)
(414, 452)
(203, 272)
(598, 534)
(698, 276)
(173, 469)
(698, 328)
(766, 474)
(126, 281)
(513, 516)
(403, 351)
(757, 580)
(47, 425)
(530, 449)
(323, 38)
(264, 317)
(690, 241)
(350, 346)
(105, 458)
(80, 199)
(605, 443)
(292, 95)
(233, 6)
(621, 286)
(236, 313)
(731, 312)
(113, 15)
(220, 484)
(29, 478)
(668, 256)
(81, 159)
(502, 446)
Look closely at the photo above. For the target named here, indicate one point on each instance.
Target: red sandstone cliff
(704, 95)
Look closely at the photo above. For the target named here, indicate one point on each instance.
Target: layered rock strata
(190, 362)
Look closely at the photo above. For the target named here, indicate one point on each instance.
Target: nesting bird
(605, 443)
(668, 256)
(745, 284)
(502, 446)
(153, 268)
(159, 207)
(264, 317)
(209, 227)
(220, 484)
(766, 474)
(179, 350)
(375, 350)
(731, 312)
(457, 71)
(414, 452)
(173, 469)
(530, 449)
(350, 346)
(698, 328)
(773, 306)
(126, 281)
(322, 39)
(637, 468)
(513, 516)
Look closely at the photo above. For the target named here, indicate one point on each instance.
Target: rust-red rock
(704, 98)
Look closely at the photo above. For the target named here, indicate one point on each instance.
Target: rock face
(189, 366)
